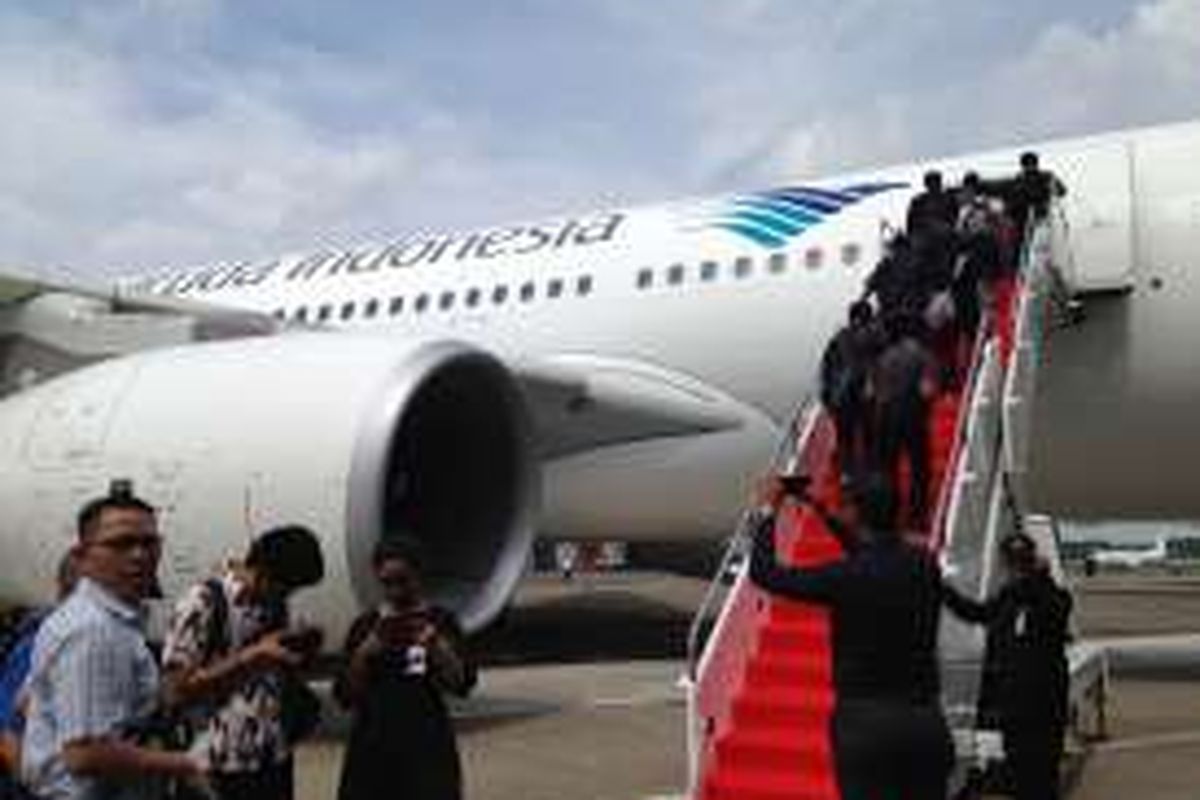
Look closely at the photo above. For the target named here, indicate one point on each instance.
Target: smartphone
(404, 627)
(303, 640)
(795, 485)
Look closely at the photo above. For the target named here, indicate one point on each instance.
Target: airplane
(613, 375)
(1131, 557)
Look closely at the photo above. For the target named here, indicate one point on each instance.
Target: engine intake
(448, 462)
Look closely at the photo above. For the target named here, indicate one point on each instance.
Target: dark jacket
(1026, 663)
(885, 599)
(932, 213)
(895, 281)
(845, 365)
(1029, 194)
(401, 742)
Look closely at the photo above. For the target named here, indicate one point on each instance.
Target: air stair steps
(777, 745)
(788, 787)
(762, 690)
(791, 706)
(769, 748)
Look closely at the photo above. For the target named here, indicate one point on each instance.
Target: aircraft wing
(15, 288)
(211, 321)
(581, 402)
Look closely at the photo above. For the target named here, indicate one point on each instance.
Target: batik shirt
(240, 731)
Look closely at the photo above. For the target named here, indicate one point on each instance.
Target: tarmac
(579, 695)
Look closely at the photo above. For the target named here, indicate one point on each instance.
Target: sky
(139, 134)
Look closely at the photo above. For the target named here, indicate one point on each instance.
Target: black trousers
(272, 783)
(851, 421)
(904, 429)
(891, 751)
(1034, 748)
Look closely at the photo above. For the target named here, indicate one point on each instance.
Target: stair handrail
(1004, 499)
(790, 442)
(941, 512)
(1038, 288)
(704, 661)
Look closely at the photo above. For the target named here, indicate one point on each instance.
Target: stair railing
(795, 432)
(979, 507)
(716, 662)
(942, 510)
(961, 517)
(1028, 339)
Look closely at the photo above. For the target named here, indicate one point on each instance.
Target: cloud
(1065, 80)
(180, 131)
(1144, 71)
(104, 173)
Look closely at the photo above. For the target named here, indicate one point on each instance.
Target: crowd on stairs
(841, 696)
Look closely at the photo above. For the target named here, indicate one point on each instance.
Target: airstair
(759, 674)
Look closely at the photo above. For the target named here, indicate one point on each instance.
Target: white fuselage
(1114, 435)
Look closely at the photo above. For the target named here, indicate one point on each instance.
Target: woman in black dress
(400, 658)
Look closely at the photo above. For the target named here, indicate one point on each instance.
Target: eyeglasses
(127, 544)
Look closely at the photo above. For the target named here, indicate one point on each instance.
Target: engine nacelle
(356, 437)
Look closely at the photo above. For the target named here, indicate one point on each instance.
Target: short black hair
(403, 548)
(933, 178)
(1019, 548)
(1029, 159)
(861, 312)
(289, 555)
(120, 496)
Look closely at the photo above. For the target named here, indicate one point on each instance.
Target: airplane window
(499, 294)
(708, 270)
(279, 314)
(371, 308)
(473, 295)
(526, 292)
(301, 313)
(813, 257)
(675, 275)
(777, 263)
(554, 288)
(446, 301)
(743, 266)
(396, 306)
(422, 303)
(347, 310)
(645, 279)
(583, 286)
(324, 312)
(850, 254)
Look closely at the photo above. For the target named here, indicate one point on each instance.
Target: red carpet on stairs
(778, 746)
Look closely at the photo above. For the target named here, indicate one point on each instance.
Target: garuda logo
(773, 218)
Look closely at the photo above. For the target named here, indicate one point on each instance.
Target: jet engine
(358, 437)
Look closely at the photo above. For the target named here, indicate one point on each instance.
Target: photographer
(889, 736)
(400, 657)
(230, 659)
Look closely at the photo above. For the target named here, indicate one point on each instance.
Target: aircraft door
(1099, 206)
